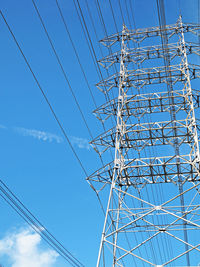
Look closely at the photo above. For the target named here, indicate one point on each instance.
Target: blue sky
(36, 162)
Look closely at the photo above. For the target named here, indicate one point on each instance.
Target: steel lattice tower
(153, 208)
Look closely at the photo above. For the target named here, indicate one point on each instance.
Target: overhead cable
(62, 68)
(51, 109)
(47, 101)
(75, 51)
(36, 225)
(44, 95)
(90, 41)
(164, 39)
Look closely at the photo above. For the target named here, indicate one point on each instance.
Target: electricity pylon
(153, 209)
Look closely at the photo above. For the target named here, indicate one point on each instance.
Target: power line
(91, 49)
(94, 28)
(151, 246)
(48, 103)
(164, 40)
(104, 27)
(78, 59)
(62, 68)
(100, 14)
(36, 225)
(89, 38)
(75, 51)
(44, 95)
(121, 12)
(198, 21)
(113, 15)
(132, 13)
(179, 5)
(126, 6)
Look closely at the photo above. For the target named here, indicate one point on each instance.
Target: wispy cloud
(40, 135)
(45, 136)
(23, 249)
(2, 126)
(80, 142)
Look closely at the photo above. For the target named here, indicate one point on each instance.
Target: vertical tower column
(153, 211)
(113, 214)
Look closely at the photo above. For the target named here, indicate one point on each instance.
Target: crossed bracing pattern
(140, 104)
(147, 219)
(153, 206)
(156, 75)
(139, 172)
(140, 54)
(138, 136)
(140, 35)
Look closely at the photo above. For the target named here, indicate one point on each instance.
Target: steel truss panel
(140, 77)
(140, 54)
(153, 202)
(140, 104)
(139, 172)
(154, 227)
(141, 34)
(138, 136)
(147, 220)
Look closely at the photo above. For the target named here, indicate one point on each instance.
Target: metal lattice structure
(153, 208)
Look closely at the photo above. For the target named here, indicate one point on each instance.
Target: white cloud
(23, 250)
(40, 135)
(80, 142)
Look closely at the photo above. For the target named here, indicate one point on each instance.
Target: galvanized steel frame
(128, 176)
